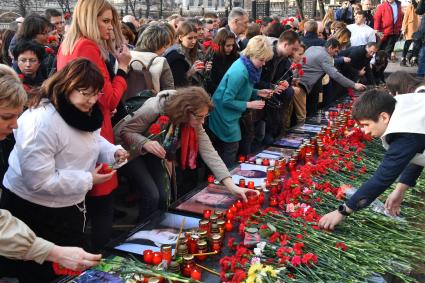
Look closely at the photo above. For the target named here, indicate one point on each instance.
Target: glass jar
(220, 224)
(192, 244)
(214, 229)
(270, 174)
(216, 243)
(204, 225)
(188, 265)
(242, 183)
(166, 253)
(203, 235)
(202, 248)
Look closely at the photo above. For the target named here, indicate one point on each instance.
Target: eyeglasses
(89, 94)
(32, 61)
(199, 117)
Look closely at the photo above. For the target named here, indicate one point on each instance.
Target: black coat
(220, 65)
(358, 62)
(179, 67)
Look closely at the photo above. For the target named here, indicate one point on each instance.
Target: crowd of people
(154, 93)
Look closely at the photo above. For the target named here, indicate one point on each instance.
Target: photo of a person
(211, 197)
(291, 140)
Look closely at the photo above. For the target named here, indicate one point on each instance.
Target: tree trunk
(148, 8)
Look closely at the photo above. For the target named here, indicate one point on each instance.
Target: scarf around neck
(254, 73)
(87, 122)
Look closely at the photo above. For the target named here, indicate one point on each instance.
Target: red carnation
(291, 19)
(67, 16)
(52, 39)
(60, 270)
(21, 76)
(162, 120)
(50, 50)
(207, 44)
(258, 21)
(293, 66)
(342, 246)
(304, 60)
(215, 47)
(296, 260)
(301, 72)
(155, 129)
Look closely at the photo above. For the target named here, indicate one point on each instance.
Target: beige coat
(134, 133)
(410, 22)
(18, 241)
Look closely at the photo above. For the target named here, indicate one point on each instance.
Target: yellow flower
(271, 270)
(254, 269)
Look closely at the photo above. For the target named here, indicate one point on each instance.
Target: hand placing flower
(331, 220)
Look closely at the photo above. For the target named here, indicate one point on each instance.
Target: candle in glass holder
(147, 256)
(270, 174)
(216, 243)
(229, 215)
(242, 183)
(251, 197)
(260, 196)
(204, 225)
(239, 204)
(191, 245)
(272, 162)
(202, 248)
(211, 179)
(188, 265)
(242, 158)
(266, 162)
(195, 274)
(207, 213)
(273, 201)
(219, 213)
(156, 258)
(251, 185)
(228, 226)
(258, 161)
(166, 253)
(233, 208)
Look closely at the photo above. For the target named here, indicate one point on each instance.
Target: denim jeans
(421, 63)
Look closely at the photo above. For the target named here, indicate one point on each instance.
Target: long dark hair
(33, 24)
(220, 40)
(77, 74)
(6, 38)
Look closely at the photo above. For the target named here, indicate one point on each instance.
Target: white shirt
(51, 162)
(361, 34)
(408, 117)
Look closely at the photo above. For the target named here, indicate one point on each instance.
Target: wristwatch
(342, 208)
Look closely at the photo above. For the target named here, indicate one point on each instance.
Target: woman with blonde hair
(329, 17)
(235, 94)
(94, 34)
(52, 166)
(180, 114)
(185, 58)
(343, 36)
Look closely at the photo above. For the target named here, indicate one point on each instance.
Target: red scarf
(189, 147)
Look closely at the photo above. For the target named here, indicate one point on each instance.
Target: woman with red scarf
(170, 121)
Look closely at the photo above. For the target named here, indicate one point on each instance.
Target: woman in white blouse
(52, 165)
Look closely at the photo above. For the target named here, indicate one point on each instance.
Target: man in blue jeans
(400, 123)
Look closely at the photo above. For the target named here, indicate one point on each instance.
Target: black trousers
(100, 211)
(389, 43)
(62, 226)
(146, 175)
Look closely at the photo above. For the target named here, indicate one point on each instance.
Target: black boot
(414, 62)
(403, 62)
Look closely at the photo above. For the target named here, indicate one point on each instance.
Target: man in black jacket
(310, 37)
(279, 109)
(359, 66)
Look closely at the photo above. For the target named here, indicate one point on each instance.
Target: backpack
(138, 80)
